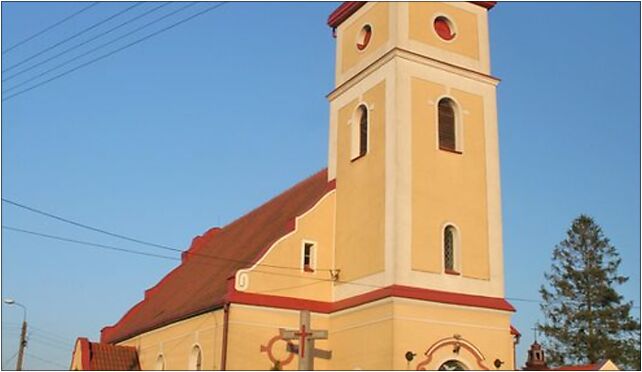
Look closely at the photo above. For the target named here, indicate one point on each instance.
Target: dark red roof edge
(394, 290)
(514, 331)
(348, 8)
(197, 243)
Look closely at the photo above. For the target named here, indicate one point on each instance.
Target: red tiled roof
(198, 284)
(108, 357)
(347, 8)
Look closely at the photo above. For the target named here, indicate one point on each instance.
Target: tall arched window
(447, 125)
(450, 245)
(195, 359)
(160, 363)
(360, 132)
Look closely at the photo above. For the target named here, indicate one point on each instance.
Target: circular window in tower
(363, 39)
(444, 28)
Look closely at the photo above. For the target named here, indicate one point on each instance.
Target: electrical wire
(44, 342)
(10, 359)
(120, 236)
(46, 360)
(112, 52)
(50, 215)
(87, 41)
(50, 334)
(50, 27)
(96, 245)
(72, 37)
(71, 60)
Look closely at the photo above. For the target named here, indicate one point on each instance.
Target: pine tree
(586, 319)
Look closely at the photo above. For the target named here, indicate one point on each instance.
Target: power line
(51, 344)
(86, 41)
(46, 337)
(50, 27)
(160, 246)
(49, 333)
(72, 36)
(46, 360)
(10, 359)
(113, 52)
(97, 48)
(103, 246)
(34, 210)
(221, 258)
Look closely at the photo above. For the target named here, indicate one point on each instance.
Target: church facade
(394, 252)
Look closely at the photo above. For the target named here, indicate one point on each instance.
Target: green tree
(586, 319)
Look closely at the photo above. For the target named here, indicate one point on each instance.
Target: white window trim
(160, 357)
(456, 248)
(459, 123)
(357, 38)
(355, 134)
(191, 361)
(313, 255)
(451, 24)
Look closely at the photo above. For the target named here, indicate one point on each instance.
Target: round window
(364, 36)
(444, 28)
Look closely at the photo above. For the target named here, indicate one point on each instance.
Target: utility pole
(23, 344)
(23, 333)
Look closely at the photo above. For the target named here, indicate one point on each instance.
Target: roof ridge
(256, 209)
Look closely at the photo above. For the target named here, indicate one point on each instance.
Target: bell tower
(414, 149)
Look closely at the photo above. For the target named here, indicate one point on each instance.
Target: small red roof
(199, 283)
(348, 8)
(514, 331)
(107, 357)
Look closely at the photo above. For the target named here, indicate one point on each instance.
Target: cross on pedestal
(306, 337)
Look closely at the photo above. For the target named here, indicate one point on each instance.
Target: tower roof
(348, 8)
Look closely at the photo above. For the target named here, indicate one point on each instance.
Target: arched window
(450, 246)
(195, 359)
(453, 365)
(447, 125)
(160, 363)
(360, 133)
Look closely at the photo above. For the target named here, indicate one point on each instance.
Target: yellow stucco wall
(448, 187)
(269, 277)
(176, 341)
(362, 338)
(76, 363)
(360, 191)
(251, 327)
(418, 325)
(422, 15)
(379, 19)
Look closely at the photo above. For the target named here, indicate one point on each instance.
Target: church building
(391, 258)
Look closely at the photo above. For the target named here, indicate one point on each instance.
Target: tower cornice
(345, 10)
(415, 57)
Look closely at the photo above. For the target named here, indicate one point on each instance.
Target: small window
(360, 132)
(308, 257)
(196, 359)
(160, 363)
(364, 36)
(444, 28)
(447, 125)
(363, 131)
(450, 246)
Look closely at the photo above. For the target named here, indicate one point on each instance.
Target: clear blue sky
(193, 128)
